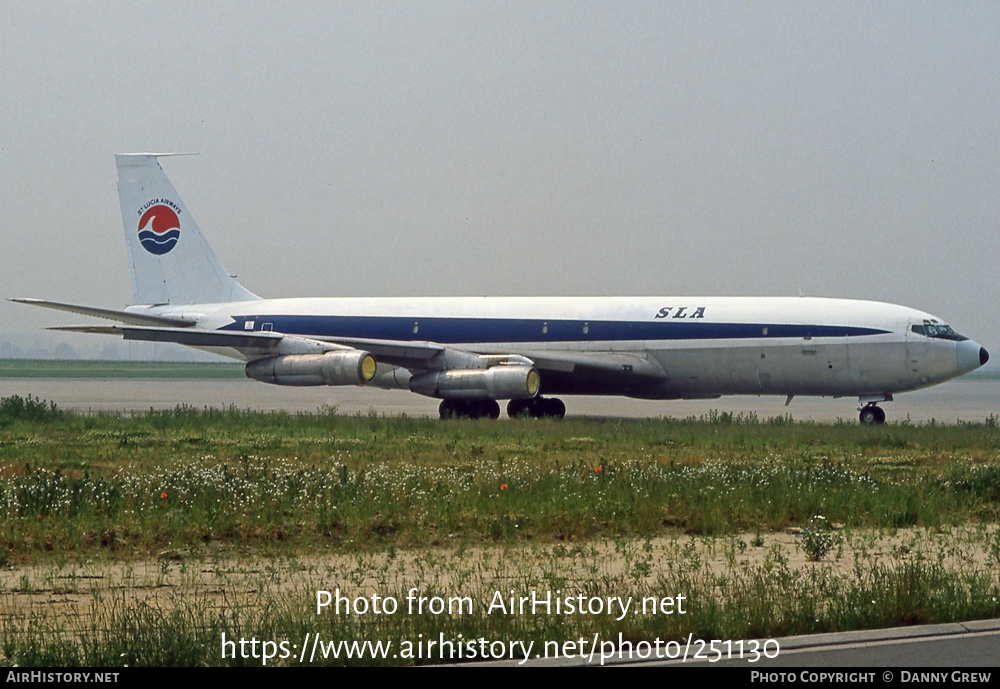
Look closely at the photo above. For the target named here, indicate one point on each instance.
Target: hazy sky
(846, 149)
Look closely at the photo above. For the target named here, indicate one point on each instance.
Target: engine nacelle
(352, 367)
(496, 383)
(392, 377)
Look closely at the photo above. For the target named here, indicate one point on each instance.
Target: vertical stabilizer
(171, 261)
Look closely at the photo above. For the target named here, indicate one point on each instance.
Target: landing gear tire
(872, 415)
(554, 408)
(516, 408)
(537, 408)
(490, 408)
(469, 409)
(448, 409)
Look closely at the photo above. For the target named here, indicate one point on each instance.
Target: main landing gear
(538, 408)
(469, 409)
(872, 415)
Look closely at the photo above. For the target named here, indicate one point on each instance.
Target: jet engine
(352, 367)
(499, 382)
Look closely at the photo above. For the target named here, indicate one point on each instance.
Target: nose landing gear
(872, 415)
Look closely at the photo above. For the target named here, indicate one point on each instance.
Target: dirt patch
(72, 595)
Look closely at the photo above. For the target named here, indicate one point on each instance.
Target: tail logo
(159, 229)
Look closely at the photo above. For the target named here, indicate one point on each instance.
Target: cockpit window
(938, 331)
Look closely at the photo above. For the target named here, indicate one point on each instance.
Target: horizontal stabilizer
(129, 317)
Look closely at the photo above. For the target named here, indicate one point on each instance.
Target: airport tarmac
(967, 399)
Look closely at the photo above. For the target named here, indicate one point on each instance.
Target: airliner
(472, 353)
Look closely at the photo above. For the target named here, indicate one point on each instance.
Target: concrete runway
(959, 400)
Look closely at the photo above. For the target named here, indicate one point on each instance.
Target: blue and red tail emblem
(159, 229)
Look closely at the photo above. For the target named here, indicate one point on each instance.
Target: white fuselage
(705, 346)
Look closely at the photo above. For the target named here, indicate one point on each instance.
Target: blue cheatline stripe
(467, 330)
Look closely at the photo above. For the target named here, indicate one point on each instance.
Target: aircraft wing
(262, 343)
(180, 330)
(570, 371)
(193, 337)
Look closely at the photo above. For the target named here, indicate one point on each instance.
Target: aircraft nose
(970, 356)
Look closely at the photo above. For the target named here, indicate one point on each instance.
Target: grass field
(612, 507)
